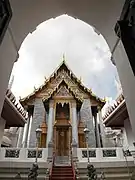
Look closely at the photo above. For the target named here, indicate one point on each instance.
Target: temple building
(63, 107)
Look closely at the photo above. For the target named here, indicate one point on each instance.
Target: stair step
(56, 172)
(65, 178)
(62, 172)
(63, 167)
(67, 175)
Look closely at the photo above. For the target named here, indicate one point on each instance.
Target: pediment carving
(64, 92)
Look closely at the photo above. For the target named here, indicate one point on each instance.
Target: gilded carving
(51, 103)
(73, 104)
(63, 92)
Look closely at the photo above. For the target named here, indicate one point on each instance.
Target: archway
(86, 53)
(103, 15)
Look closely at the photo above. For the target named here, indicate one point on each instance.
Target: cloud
(87, 54)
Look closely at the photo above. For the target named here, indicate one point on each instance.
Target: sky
(86, 53)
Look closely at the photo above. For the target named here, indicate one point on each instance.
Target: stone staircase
(62, 172)
(62, 169)
(62, 161)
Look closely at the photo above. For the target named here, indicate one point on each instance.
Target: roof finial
(63, 58)
(80, 79)
(45, 79)
(35, 88)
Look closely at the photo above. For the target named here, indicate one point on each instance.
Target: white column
(20, 137)
(25, 138)
(102, 127)
(97, 131)
(29, 130)
(74, 122)
(50, 122)
(2, 127)
(129, 134)
(24, 134)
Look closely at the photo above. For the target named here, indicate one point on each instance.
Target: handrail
(50, 174)
(73, 168)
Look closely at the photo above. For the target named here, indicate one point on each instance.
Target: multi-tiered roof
(51, 91)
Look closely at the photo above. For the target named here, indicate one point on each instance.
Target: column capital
(51, 104)
(73, 104)
(99, 108)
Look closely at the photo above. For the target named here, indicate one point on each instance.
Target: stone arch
(102, 15)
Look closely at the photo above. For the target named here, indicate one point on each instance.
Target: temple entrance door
(62, 141)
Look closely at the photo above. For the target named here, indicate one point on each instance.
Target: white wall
(7, 58)
(129, 133)
(2, 127)
(127, 79)
(124, 139)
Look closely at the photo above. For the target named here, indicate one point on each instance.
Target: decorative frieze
(92, 153)
(127, 153)
(109, 153)
(12, 153)
(32, 154)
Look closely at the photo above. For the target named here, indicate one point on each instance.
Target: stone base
(75, 159)
(133, 154)
(49, 159)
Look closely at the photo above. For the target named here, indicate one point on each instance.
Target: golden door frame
(62, 140)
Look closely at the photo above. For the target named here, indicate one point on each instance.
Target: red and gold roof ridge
(53, 75)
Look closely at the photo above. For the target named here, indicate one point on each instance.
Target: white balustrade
(102, 155)
(23, 154)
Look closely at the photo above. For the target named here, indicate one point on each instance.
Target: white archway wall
(7, 57)
(28, 14)
(127, 79)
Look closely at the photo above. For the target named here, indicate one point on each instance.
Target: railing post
(133, 154)
(50, 151)
(99, 154)
(119, 153)
(23, 154)
(2, 153)
(74, 151)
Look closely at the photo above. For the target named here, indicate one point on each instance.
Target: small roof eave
(11, 114)
(113, 113)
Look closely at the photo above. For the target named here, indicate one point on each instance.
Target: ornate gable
(63, 92)
(54, 85)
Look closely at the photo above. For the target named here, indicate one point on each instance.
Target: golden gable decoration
(62, 76)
